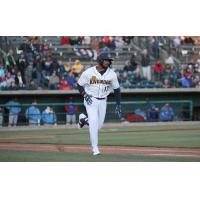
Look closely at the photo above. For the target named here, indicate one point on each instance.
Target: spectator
(37, 65)
(71, 79)
(177, 42)
(107, 40)
(158, 71)
(10, 60)
(49, 116)
(71, 111)
(13, 73)
(65, 40)
(13, 86)
(196, 80)
(2, 71)
(146, 68)
(29, 74)
(14, 108)
(127, 39)
(175, 75)
(77, 68)
(1, 116)
(9, 80)
(95, 43)
(47, 66)
(32, 86)
(104, 49)
(2, 77)
(166, 113)
(22, 63)
(54, 66)
(155, 47)
(166, 83)
(18, 80)
(33, 115)
(187, 78)
(86, 40)
(67, 68)
(153, 113)
(197, 84)
(54, 81)
(64, 84)
(131, 65)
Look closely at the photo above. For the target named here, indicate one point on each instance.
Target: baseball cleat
(96, 153)
(83, 120)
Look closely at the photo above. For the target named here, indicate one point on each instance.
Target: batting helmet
(103, 57)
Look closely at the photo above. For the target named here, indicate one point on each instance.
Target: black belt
(99, 98)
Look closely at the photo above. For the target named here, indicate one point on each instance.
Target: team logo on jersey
(94, 80)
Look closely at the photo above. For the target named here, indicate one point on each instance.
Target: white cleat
(96, 152)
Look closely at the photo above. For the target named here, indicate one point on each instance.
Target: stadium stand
(28, 63)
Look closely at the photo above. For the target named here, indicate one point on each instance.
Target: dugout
(186, 101)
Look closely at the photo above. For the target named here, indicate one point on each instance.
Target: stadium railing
(183, 110)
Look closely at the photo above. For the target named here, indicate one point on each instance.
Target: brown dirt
(149, 151)
(8, 143)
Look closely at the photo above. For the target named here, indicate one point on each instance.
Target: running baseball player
(95, 84)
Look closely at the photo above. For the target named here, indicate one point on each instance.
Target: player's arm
(118, 102)
(83, 80)
(81, 89)
(116, 87)
(87, 97)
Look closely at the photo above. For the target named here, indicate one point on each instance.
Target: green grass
(163, 138)
(155, 136)
(28, 156)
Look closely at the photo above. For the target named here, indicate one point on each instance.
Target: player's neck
(100, 68)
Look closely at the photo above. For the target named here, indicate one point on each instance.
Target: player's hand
(118, 111)
(88, 99)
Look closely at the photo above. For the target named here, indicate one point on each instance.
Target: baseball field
(137, 142)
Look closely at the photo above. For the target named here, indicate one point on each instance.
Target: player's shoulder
(89, 69)
(112, 71)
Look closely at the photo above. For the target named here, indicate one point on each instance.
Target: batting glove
(88, 99)
(118, 111)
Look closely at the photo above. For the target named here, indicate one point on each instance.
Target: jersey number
(106, 88)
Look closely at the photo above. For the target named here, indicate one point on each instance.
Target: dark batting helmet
(102, 57)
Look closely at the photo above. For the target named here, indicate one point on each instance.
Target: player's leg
(67, 119)
(92, 111)
(1, 120)
(74, 119)
(10, 119)
(102, 112)
(15, 119)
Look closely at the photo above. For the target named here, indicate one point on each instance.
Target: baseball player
(94, 85)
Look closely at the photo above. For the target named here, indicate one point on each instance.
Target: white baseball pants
(96, 115)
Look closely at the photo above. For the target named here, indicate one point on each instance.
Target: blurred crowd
(35, 67)
(167, 74)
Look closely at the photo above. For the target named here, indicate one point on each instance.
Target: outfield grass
(29, 156)
(152, 136)
(188, 138)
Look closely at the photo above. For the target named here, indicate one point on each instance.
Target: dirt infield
(9, 143)
(183, 152)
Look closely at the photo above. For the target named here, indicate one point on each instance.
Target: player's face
(106, 64)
